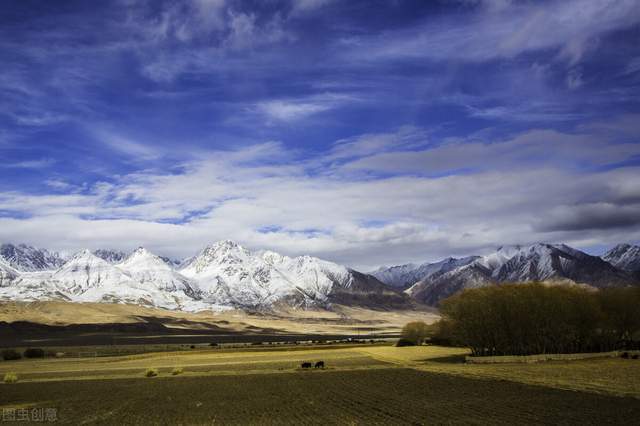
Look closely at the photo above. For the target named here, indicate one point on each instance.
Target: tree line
(526, 319)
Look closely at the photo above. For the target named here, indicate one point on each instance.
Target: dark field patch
(387, 396)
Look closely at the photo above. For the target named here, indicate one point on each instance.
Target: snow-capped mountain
(86, 271)
(625, 257)
(28, 259)
(88, 278)
(405, 276)
(147, 269)
(230, 274)
(226, 275)
(556, 263)
(436, 287)
(7, 274)
(111, 256)
(223, 275)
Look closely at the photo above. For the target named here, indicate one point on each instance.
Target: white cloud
(133, 149)
(31, 164)
(505, 30)
(296, 109)
(301, 7)
(289, 111)
(522, 190)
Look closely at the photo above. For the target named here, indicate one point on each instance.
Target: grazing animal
(635, 356)
(319, 364)
(625, 355)
(305, 365)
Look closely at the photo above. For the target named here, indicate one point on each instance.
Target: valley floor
(340, 319)
(361, 384)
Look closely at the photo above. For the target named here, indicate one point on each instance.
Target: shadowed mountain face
(558, 264)
(28, 259)
(405, 276)
(625, 257)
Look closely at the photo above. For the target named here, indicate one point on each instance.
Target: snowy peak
(30, 259)
(143, 259)
(228, 273)
(404, 276)
(150, 272)
(625, 257)
(400, 276)
(556, 263)
(500, 256)
(209, 259)
(85, 270)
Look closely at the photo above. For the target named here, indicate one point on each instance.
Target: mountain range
(551, 263)
(226, 275)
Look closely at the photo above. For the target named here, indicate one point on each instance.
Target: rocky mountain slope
(625, 257)
(28, 259)
(7, 274)
(405, 276)
(111, 256)
(552, 263)
(222, 276)
(226, 275)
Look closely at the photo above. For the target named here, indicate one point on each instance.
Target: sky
(368, 133)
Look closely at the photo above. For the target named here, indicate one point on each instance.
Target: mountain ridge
(224, 275)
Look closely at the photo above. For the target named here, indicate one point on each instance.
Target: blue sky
(368, 133)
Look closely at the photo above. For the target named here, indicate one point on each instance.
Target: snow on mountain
(547, 262)
(499, 257)
(86, 271)
(151, 271)
(400, 276)
(88, 278)
(111, 256)
(228, 273)
(436, 287)
(223, 275)
(7, 274)
(625, 257)
(556, 263)
(28, 259)
(405, 276)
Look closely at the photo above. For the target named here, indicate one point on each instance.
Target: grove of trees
(414, 333)
(525, 319)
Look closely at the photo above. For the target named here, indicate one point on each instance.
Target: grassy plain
(362, 384)
(339, 320)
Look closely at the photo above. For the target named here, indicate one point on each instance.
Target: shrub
(405, 342)
(10, 378)
(415, 332)
(176, 371)
(10, 355)
(151, 372)
(34, 353)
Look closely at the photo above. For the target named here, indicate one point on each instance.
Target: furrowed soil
(383, 396)
(360, 384)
